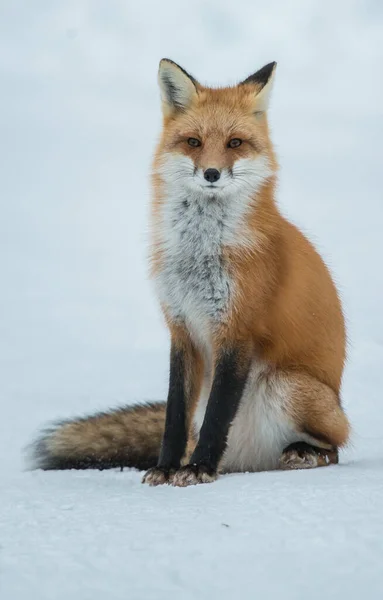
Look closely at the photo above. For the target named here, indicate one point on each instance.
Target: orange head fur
(223, 129)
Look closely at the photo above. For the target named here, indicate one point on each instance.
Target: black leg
(175, 435)
(229, 381)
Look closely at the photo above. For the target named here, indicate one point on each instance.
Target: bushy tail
(126, 437)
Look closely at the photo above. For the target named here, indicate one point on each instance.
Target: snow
(81, 330)
(104, 535)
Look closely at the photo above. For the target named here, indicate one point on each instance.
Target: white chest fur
(195, 225)
(194, 283)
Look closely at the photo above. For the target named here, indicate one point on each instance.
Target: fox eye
(194, 142)
(234, 143)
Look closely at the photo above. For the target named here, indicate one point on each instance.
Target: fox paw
(158, 476)
(304, 456)
(193, 474)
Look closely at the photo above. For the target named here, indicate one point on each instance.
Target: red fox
(256, 325)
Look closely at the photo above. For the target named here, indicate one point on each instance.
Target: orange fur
(286, 307)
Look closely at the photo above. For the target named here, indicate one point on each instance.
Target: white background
(80, 329)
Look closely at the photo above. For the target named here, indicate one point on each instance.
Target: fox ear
(262, 81)
(178, 88)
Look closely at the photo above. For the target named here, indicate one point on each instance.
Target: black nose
(212, 175)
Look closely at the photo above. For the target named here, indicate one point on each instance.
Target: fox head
(215, 141)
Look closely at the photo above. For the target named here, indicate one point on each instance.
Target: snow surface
(80, 328)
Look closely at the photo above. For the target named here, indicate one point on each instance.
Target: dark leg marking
(229, 382)
(175, 436)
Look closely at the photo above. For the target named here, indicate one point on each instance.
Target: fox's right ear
(178, 88)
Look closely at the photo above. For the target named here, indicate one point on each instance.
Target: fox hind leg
(316, 411)
(301, 455)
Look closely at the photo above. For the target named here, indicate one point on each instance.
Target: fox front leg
(230, 377)
(185, 380)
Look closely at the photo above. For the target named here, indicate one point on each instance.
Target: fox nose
(212, 175)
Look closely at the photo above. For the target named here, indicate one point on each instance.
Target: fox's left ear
(262, 82)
